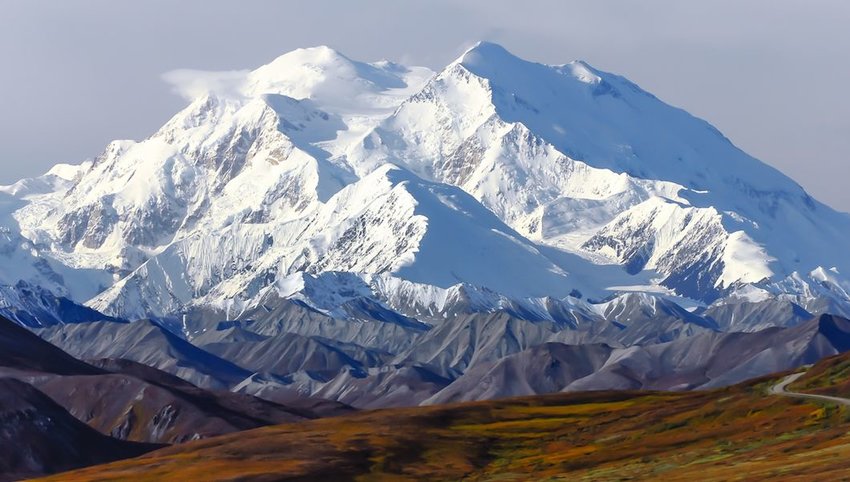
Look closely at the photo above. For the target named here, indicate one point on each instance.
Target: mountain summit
(507, 177)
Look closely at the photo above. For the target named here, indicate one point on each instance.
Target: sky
(772, 75)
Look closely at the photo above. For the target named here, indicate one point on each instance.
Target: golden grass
(738, 433)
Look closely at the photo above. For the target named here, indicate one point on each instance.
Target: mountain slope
(705, 360)
(24, 351)
(35, 306)
(587, 161)
(139, 403)
(388, 222)
(147, 343)
(132, 401)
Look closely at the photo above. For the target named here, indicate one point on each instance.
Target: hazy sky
(773, 75)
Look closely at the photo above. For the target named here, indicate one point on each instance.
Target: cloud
(191, 84)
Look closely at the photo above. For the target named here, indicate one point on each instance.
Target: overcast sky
(773, 75)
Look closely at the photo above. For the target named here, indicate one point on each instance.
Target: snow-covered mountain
(576, 158)
(494, 184)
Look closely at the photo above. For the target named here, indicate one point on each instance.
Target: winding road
(780, 389)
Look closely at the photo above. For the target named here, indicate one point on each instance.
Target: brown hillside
(733, 433)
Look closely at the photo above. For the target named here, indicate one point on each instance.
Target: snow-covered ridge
(492, 183)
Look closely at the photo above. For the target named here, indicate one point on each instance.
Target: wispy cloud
(191, 84)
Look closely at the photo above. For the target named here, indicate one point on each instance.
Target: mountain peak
(485, 58)
(484, 55)
(485, 49)
(334, 80)
(302, 69)
(583, 71)
(495, 63)
(321, 55)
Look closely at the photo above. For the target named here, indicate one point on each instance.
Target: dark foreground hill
(38, 436)
(59, 413)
